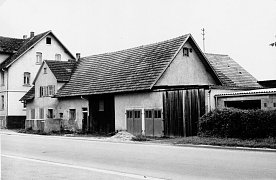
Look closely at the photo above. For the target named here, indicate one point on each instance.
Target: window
(101, 105)
(137, 114)
(186, 51)
(2, 78)
(45, 91)
(265, 104)
(274, 104)
(38, 58)
(48, 40)
(72, 114)
(157, 113)
(27, 77)
(24, 104)
(2, 102)
(50, 113)
(58, 57)
(32, 113)
(60, 115)
(129, 114)
(45, 70)
(51, 90)
(148, 114)
(41, 113)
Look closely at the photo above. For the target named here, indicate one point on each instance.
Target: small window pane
(32, 113)
(101, 105)
(72, 114)
(50, 113)
(38, 58)
(148, 113)
(61, 115)
(41, 113)
(137, 114)
(48, 40)
(157, 113)
(129, 114)
(58, 57)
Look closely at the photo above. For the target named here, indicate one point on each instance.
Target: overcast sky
(242, 29)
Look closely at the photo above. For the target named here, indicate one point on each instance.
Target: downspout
(209, 100)
(7, 97)
(216, 101)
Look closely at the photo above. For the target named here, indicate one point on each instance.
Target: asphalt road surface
(44, 157)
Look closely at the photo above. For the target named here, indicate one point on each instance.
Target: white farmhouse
(20, 60)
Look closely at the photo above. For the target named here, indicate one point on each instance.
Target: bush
(140, 138)
(237, 123)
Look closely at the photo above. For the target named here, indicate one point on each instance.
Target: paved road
(44, 157)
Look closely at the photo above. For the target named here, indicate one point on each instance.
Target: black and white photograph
(137, 89)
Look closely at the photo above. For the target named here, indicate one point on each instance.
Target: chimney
(31, 34)
(77, 56)
(24, 36)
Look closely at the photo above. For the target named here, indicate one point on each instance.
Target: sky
(242, 29)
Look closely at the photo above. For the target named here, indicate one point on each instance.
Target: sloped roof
(28, 43)
(127, 70)
(29, 95)
(10, 45)
(62, 70)
(25, 46)
(230, 72)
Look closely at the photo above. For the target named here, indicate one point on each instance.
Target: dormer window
(48, 40)
(58, 57)
(186, 51)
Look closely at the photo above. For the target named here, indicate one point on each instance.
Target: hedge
(237, 123)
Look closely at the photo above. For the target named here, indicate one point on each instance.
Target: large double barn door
(182, 110)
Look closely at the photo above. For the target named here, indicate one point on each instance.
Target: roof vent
(31, 34)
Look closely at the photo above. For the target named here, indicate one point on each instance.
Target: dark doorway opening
(101, 114)
(246, 104)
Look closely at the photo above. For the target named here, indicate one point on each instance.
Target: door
(85, 127)
(134, 121)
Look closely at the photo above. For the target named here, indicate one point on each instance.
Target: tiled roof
(10, 45)
(122, 71)
(29, 95)
(230, 72)
(62, 70)
(24, 47)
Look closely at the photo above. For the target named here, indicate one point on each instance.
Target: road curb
(147, 142)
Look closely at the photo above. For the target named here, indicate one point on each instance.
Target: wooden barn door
(182, 110)
(134, 121)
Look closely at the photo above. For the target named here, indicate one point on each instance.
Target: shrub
(140, 138)
(237, 123)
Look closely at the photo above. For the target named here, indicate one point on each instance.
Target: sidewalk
(153, 142)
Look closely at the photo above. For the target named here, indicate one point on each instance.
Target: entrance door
(85, 127)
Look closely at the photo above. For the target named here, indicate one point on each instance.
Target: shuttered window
(32, 113)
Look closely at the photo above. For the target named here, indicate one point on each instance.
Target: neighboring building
(268, 83)
(47, 113)
(157, 89)
(254, 99)
(20, 60)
